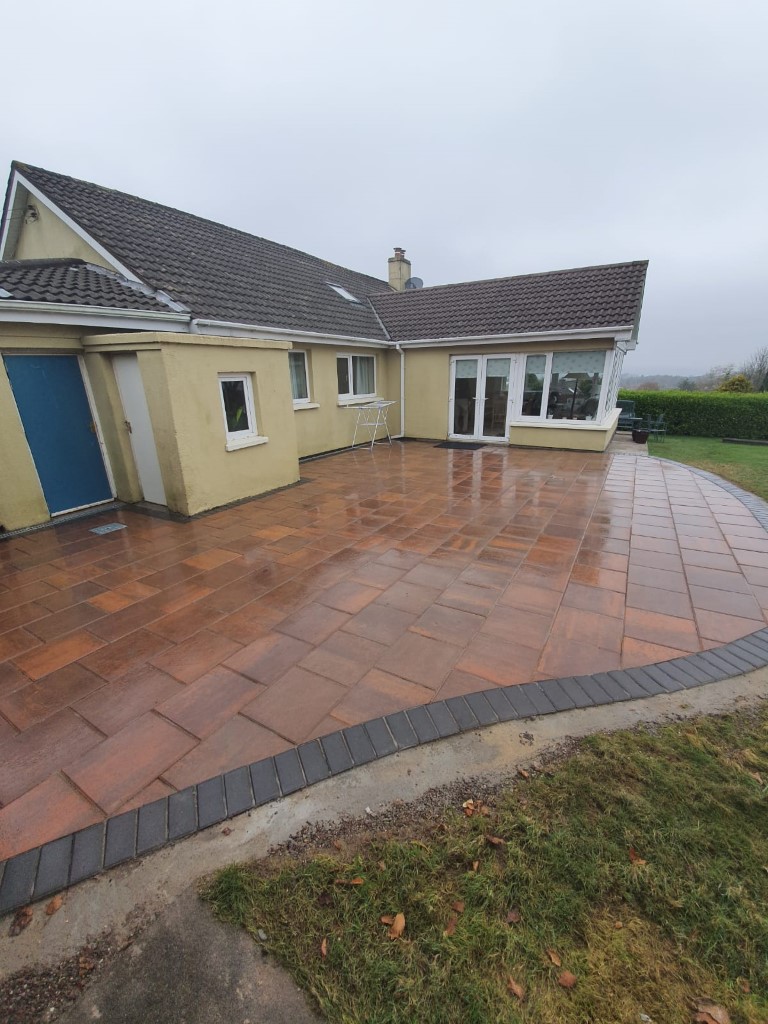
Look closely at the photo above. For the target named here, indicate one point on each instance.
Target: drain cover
(108, 528)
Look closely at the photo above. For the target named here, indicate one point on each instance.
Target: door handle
(128, 426)
(92, 427)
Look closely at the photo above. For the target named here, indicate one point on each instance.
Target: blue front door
(50, 396)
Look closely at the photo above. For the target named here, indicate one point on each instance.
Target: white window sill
(359, 400)
(305, 405)
(561, 424)
(246, 442)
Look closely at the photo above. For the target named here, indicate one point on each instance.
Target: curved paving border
(47, 869)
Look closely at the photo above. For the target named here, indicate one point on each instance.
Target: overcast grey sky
(487, 138)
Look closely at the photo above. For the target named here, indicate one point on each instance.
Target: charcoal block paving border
(63, 862)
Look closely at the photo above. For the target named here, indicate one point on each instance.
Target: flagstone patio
(138, 662)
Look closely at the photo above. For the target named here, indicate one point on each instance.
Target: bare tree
(756, 369)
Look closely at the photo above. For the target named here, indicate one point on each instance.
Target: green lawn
(742, 464)
(639, 864)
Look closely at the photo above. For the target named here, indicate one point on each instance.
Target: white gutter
(228, 329)
(18, 311)
(402, 390)
(490, 339)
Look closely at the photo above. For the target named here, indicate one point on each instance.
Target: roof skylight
(344, 293)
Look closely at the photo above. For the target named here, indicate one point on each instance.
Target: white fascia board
(618, 333)
(19, 179)
(226, 329)
(15, 311)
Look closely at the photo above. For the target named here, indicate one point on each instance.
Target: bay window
(562, 386)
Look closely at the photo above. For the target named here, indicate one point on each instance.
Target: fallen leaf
(495, 841)
(743, 985)
(756, 776)
(21, 919)
(618, 925)
(515, 988)
(554, 958)
(513, 916)
(458, 906)
(324, 948)
(387, 919)
(451, 926)
(349, 881)
(566, 980)
(523, 773)
(86, 963)
(476, 865)
(338, 844)
(55, 904)
(635, 857)
(469, 807)
(398, 926)
(382, 866)
(226, 831)
(708, 1012)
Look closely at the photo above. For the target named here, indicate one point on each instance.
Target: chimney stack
(399, 269)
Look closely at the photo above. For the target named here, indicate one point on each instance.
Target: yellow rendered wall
(573, 438)
(331, 426)
(48, 237)
(183, 395)
(21, 497)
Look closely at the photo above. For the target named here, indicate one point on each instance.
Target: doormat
(461, 446)
(108, 528)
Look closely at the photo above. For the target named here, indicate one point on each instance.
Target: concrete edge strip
(61, 863)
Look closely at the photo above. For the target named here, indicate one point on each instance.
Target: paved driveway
(138, 662)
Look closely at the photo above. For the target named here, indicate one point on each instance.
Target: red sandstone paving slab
(381, 623)
(21, 615)
(419, 659)
(379, 693)
(725, 602)
(658, 579)
(544, 577)
(348, 596)
(409, 597)
(53, 808)
(121, 765)
(566, 657)
(154, 791)
(519, 626)
(184, 623)
(498, 661)
(116, 659)
(460, 683)
(37, 701)
(195, 656)
(756, 559)
(313, 623)
(248, 623)
(267, 658)
(295, 704)
(635, 653)
(529, 597)
(343, 657)
(717, 579)
(238, 742)
(724, 628)
(65, 621)
(594, 577)
(31, 756)
(205, 705)
(652, 599)
(46, 659)
(587, 627)
(654, 627)
(594, 599)
(469, 598)
(118, 703)
(448, 625)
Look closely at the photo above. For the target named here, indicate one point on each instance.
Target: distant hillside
(665, 381)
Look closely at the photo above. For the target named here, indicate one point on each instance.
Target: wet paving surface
(137, 662)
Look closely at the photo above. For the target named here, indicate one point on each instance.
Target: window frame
(300, 401)
(542, 417)
(238, 438)
(351, 396)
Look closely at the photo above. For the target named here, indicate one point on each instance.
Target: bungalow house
(149, 354)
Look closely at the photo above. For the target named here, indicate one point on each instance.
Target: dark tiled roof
(606, 296)
(220, 273)
(74, 282)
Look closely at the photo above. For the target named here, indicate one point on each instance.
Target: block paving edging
(61, 863)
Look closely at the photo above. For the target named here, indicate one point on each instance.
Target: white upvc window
(237, 405)
(356, 376)
(563, 386)
(297, 362)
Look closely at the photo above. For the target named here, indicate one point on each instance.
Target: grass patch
(742, 464)
(689, 799)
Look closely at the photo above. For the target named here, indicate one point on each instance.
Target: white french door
(479, 405)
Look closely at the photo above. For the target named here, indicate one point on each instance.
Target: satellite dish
(414, 282)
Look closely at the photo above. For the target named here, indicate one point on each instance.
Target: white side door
(134, 401)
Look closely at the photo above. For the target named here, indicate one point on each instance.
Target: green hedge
(705, 413)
